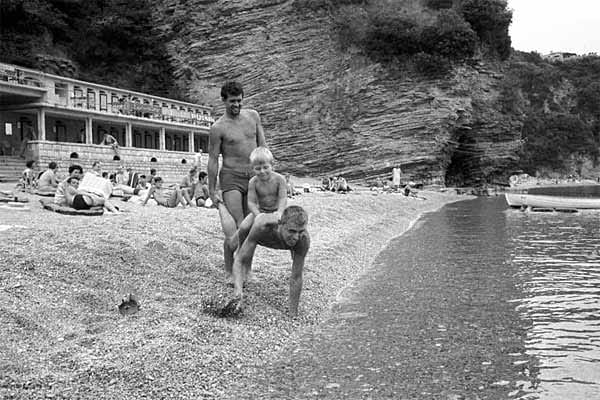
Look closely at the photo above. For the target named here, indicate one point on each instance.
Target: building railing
(79, 95)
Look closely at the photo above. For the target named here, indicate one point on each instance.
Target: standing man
(233, 136)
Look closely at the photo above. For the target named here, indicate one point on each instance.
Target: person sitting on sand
(202, 195)
(97, 168)
(75, 171)
(288, 233)
(47, 181)
(163, 197)
(28, 180)
(142, 183)
(189, 187)
(120, 184)
(341, 186)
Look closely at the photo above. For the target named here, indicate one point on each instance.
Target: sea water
(476, 301)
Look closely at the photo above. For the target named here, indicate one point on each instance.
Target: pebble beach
(63, 277)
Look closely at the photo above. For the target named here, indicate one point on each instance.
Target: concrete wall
(169, 164)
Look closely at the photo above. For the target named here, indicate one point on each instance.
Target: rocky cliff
(330, 111)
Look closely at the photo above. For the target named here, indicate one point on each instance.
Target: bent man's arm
(298, 256)
(214, 149)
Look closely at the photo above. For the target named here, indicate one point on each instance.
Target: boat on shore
(558, 203)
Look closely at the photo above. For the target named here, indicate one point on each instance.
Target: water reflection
(557, 259)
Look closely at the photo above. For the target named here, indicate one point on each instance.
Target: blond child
(267, 194)
(267, 190)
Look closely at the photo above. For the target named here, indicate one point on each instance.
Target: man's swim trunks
(230, 179)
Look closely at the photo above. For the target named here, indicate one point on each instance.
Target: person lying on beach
(287, 233)
(170, 198)
(75, 171)
(93, 191)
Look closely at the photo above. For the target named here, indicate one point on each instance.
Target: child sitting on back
(267, 190)
(267, 193)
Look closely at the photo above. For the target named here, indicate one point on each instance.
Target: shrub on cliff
(439, 4)
(552, 140)
(431, 65)
(113, 42)
(490, 19)
(451, 37)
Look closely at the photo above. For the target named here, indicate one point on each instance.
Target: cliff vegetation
(349, 87)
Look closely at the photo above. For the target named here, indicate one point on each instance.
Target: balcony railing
(79, 95)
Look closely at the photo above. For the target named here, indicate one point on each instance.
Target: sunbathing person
(93, 191)
(189, 186)
(28, 180)
(164, 197)
(75, 171)
(201, 194)
(47, 181)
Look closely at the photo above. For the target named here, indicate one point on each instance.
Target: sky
(546, 26)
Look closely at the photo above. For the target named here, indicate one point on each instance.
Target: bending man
(288, 233)
(233, 136)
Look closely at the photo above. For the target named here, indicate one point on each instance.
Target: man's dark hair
(231, 88)
(30, 163)
(295, 214)
(71, 179)
(142, 176)
(152, 171)
(201, 175)
(158, 179)
(52, 165)
(74, 167)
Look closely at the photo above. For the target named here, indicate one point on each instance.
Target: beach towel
(51, 206)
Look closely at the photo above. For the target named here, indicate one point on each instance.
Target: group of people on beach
(251, 197)
(124, 183)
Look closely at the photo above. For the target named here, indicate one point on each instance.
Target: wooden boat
(524, 200)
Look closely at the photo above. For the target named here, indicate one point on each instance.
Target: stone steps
(11, 168)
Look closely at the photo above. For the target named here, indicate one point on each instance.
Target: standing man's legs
(232, 215)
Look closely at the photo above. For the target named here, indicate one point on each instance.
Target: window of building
(137, 139)
(103, 101)
(148, 140)
(61, 90)
(78, 97)
(91, 99)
